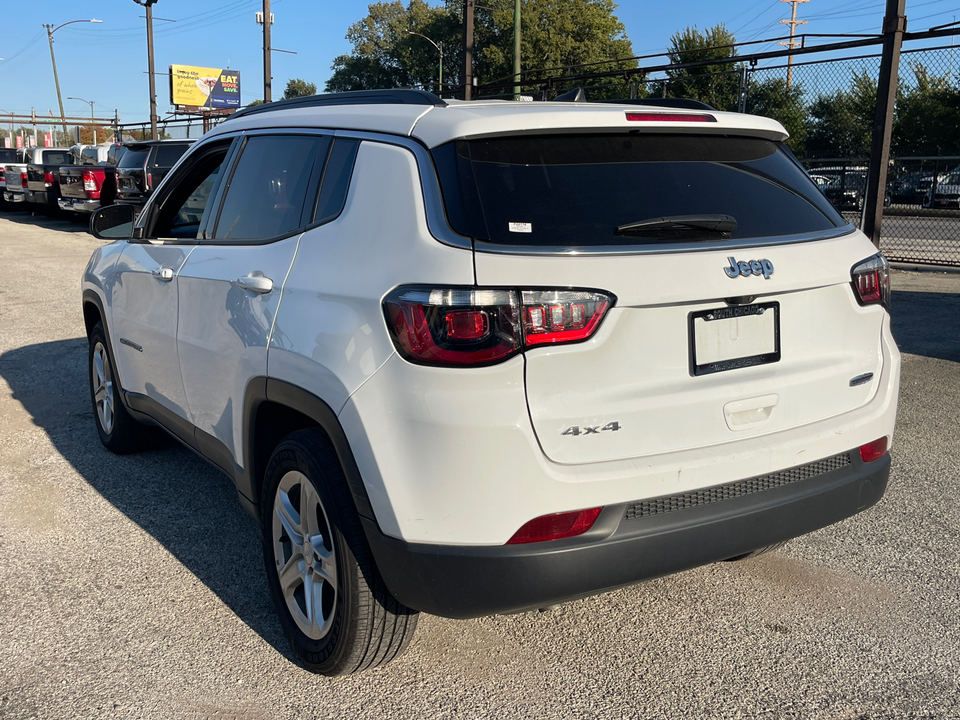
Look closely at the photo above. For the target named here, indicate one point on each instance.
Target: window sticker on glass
(520, 227)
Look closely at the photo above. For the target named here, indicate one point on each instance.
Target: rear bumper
(630, 542)
(38, 197)
(77, 205)
(13, 197)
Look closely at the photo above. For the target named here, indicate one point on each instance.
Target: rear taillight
(556, 526)
(89, 181)
(873, 450)
(48, 178)
(3, 174)
(23, 179)
(871, 281)
(472, 326)
(150, 181)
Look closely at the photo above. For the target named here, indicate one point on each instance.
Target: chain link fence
(827, 104)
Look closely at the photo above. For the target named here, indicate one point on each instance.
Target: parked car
(81, 185)
(14, 178)
(945, 194)
(143, 165)
(911, 188)
(12, 156)
(43, 178)
(480, 358)
(845, 187)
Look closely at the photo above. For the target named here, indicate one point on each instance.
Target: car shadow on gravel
(927, 323)
(187, 506)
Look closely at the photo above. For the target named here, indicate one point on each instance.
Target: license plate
(734, 337)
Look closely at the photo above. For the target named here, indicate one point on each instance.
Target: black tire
(350, 622)
(758, 551)
(118, 431)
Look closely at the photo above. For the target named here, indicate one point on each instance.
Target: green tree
(772, 99)
(841, 124)
(927, 116)
(299, 88)
(717, 85)
(556, 36)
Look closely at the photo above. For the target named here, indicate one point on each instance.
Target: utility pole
(267, 70)
(148, 5)
(53, 59)
(467, 49)
(894, 26)
(516, 49)
(792, 22)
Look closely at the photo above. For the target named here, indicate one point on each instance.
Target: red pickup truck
(81, 186)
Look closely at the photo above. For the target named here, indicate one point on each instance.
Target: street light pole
(148, 5)
(439, 47)
(50, 31)
(93, 126)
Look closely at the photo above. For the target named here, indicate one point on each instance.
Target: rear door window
(134, 158)
(167, 155)
(269, 186)
(578, 190)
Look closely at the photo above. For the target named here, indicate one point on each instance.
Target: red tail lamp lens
(558, 316)
(476, 326)
(873, 450)
(23, 179)
(468, 325)
(669, 117)
(871, 281)
(556, 526)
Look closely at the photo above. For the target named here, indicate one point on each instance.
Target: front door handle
(163, 273)
(256, 282)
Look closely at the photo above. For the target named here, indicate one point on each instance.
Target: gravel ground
(132, 587)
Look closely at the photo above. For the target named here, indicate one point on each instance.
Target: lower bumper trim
(473, 581)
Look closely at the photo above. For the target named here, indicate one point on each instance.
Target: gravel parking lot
(132, 587)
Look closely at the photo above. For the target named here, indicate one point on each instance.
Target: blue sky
(106, 62)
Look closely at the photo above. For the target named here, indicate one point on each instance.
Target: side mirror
(113, 222)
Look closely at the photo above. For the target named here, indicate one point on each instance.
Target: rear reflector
(873, 450)
(669, 117)
(556, 526)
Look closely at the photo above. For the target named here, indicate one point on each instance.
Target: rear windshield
(167, 155)
(134, 158)
(577, 190)
(7, 155)
(56, 157)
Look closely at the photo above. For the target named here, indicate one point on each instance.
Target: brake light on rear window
(474, 326)
(871, 281)
(669, 117)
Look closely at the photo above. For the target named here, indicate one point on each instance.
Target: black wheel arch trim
(261, 390)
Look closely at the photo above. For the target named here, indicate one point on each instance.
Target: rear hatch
(43, 176)
(71, 182)
(729, 276)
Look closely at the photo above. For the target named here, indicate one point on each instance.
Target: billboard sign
(204, 87)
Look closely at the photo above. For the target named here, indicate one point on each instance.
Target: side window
(268, 187)
(336, 179)
(180, 214)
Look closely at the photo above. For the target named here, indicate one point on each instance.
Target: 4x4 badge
(749, 267)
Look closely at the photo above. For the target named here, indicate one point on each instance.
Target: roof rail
(398, 96)
(679, 103)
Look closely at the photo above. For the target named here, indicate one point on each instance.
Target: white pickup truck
(11, 166)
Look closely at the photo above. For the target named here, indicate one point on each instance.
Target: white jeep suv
(477, 358)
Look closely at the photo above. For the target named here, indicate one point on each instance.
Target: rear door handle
(256, 282)
(163, 273)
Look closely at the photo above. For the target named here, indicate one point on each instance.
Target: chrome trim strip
(688, 247)
(130, 343)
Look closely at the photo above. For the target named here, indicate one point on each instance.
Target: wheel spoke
(290, 519)
(292, 574)
(325, 564)
(98, 367)
(308, 508)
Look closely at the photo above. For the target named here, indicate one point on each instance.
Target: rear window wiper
(681, 224)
